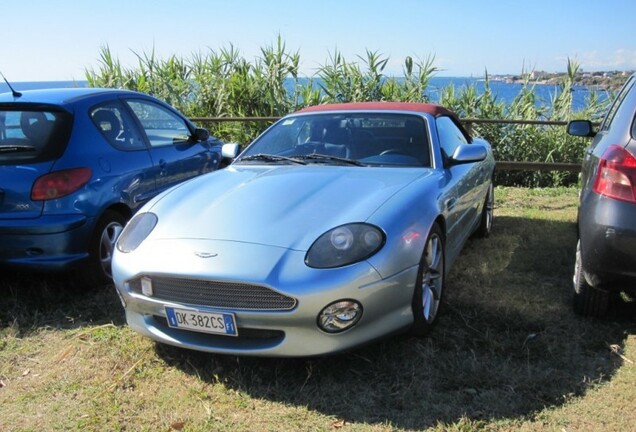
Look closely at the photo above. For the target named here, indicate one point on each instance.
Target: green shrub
(224, 84)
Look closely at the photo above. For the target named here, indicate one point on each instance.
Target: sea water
(504, 91)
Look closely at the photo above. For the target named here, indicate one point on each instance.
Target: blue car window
(33, 135)
(162, 127)
(117, 127)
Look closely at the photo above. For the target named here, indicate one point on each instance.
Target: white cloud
(625, 58)
(620, 59)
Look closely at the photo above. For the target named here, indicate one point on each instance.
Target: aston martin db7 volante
(335, 227)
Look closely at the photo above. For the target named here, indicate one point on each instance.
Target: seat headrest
(35, 126)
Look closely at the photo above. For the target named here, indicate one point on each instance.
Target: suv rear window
(29, 136)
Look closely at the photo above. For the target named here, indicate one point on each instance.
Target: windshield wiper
(328, 158)
(271, 158)
(16, 148)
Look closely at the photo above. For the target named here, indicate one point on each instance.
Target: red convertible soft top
(432, 109)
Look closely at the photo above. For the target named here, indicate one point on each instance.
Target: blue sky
(46, 40)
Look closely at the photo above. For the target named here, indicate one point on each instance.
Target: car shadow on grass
(29, 301)
(506, 346)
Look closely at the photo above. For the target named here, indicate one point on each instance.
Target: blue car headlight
(344, 245)
(136, 231)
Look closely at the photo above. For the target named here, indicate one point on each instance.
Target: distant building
(538, 75)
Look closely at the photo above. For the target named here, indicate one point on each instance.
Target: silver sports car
(335, 227)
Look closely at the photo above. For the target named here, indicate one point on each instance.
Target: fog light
(340, 316)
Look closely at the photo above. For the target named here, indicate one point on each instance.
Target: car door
(175, 154)
(131, 162)
(463, 185)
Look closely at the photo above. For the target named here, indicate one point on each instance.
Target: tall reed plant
(223, 83)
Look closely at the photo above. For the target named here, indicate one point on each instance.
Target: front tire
(588, 301)
(429, 287)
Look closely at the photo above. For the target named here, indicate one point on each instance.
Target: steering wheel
(392, 151)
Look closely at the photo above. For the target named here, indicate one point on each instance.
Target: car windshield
(32, 135)
(365, 138)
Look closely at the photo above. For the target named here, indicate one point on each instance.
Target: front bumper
(386, 302)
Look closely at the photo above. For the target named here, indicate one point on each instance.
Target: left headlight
(136, 231)
(344, 245)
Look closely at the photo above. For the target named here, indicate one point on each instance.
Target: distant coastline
(35, 85)
(609, 81)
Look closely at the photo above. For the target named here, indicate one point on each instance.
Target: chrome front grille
(224, 295)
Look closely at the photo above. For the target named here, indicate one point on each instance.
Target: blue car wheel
(97, 270)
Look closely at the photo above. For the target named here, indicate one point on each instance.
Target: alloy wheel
(107, 246)
(432, 277)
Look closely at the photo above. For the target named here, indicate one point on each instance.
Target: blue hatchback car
(75, 164)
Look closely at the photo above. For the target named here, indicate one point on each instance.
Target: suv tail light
(60, 183)
(616, 175)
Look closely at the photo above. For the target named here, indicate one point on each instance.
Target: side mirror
(230, 151)
(581, 128)
(201, 134)
(467, 153)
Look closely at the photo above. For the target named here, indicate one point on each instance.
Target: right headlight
(136, 231)
(344, 245)
(340, 316)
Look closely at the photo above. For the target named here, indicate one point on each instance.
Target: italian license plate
(206, 322)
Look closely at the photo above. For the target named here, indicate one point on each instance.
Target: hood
(284, 206)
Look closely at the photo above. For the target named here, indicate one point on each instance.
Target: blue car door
(131, 162)
(175, 154)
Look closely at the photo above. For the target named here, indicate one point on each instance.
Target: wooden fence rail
(468, 123)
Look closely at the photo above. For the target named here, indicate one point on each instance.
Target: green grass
(507, 354)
